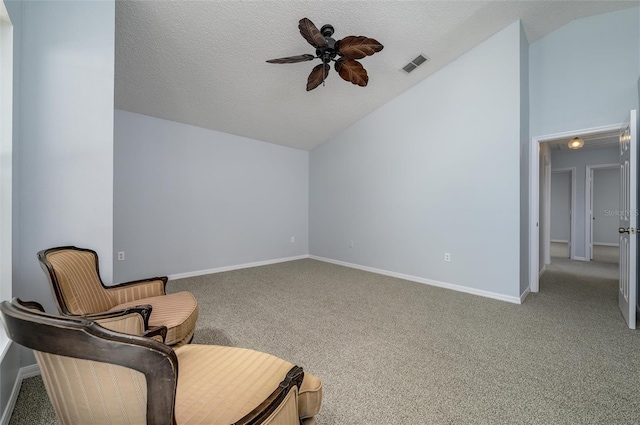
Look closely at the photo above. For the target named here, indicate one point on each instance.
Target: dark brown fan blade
(358, 47)
(317, 76)
(352, 71)
(311, 33)
(293, 59)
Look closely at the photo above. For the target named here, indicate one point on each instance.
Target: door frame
(572, 208)
(588, 206)
(534, 191)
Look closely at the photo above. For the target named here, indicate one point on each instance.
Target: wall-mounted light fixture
(576, 143)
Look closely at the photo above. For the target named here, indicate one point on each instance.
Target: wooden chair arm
(163, 279)
(156, 330)
(293, 378)
(143, 310)
(32, 305)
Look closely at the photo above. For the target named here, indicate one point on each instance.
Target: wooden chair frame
(82, 338)
(55, 285)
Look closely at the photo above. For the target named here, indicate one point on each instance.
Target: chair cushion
(310, 397)
(220, 385)
(236, 381)
(178, 312)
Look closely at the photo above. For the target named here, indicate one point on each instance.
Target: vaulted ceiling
(203, 62)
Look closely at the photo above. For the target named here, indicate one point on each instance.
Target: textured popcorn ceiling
(203, 62)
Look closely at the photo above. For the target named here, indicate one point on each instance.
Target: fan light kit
(346, 51)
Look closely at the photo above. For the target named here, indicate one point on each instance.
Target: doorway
(603, 199)
(539, 189)
(562, 206)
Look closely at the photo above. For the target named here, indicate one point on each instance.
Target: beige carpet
(396, 352)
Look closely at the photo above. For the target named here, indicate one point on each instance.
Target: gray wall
(435, 170)
(15, 12)
(580, 159)
(585, 73)
(560, 206)
(8, 374)
(11, 361)
(66, 157)
(524, 162)
(543, 182)
(188, 199)
(606, 201)
(63, 139)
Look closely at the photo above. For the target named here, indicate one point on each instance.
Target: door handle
(630, 230)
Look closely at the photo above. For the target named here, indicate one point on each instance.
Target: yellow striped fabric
(178, 312)
(310, 397)
(287, 411)
(220, 385)
(136, 291)
(131, 324)
(88, 392)
(79, 281)
(185, 340)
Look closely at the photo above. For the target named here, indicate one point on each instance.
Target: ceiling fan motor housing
(327, 30)
(329, 52)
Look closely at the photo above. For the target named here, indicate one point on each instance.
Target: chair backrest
(75, 280)
(95, 375)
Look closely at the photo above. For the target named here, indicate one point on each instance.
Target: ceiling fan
(343, 52)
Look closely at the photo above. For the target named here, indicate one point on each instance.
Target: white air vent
(414, 64)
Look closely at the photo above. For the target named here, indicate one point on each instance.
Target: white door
(627, 297)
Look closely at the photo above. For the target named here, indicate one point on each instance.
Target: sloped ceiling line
(203, 62)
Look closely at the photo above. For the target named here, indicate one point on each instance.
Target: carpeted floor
(396, 352)
(601, 253)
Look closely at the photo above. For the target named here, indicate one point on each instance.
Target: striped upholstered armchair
(94, 373)
(78, 290)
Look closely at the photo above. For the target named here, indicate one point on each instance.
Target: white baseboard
(459, 288)
(6, 344)
(23, 373)
(524, 294)
(559, 241)
(579, 258)
(544, 268)
(29, 371)
(607, 244)
(235, 267)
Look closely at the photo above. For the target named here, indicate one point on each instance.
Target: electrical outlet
(121, 256)
(447, 257)
(293, 239)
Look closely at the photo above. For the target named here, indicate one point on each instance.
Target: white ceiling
(203, 62)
